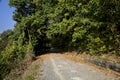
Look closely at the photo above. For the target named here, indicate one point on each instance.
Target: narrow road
(59, 68)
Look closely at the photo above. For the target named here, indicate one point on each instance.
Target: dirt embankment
(109, 63)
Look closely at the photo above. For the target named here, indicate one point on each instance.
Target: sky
(6, 13)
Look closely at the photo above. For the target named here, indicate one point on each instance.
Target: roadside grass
(19, 67)
(26, 69)
(33, 70)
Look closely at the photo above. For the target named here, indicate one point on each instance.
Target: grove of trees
(81, 25)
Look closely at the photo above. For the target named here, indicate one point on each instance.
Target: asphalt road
(59, 68)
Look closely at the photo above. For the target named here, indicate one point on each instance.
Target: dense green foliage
(82, 25)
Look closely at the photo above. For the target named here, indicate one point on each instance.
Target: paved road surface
(59, 68)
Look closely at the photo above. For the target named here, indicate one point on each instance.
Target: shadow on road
(46, 51)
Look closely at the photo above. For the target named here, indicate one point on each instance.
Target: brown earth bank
(108, 63)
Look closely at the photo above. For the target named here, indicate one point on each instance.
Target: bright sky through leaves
(6, 12)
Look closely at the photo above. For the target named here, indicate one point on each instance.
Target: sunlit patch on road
(73, 71)
(60, 66)
(76, 78)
